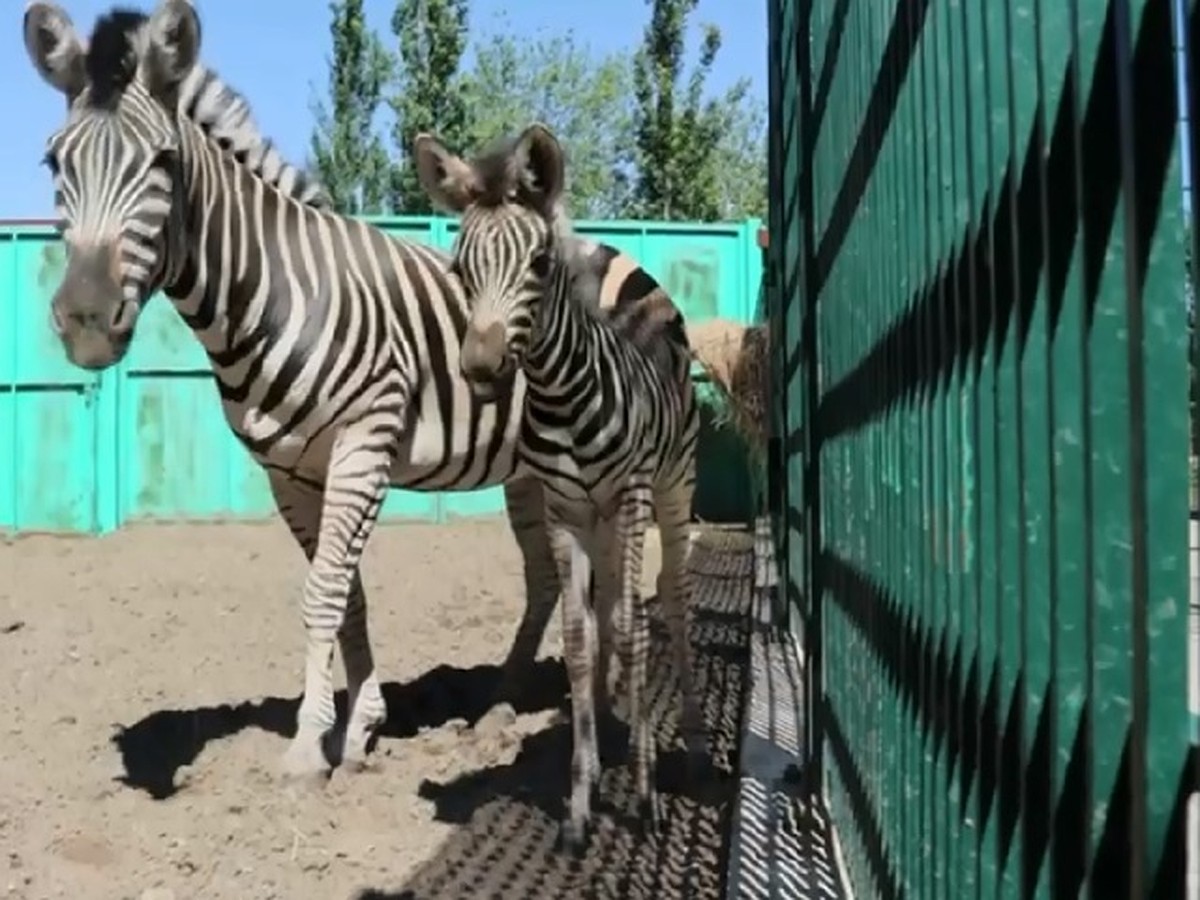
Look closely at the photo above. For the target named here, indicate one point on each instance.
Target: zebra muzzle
(484, 355)
(89, 311)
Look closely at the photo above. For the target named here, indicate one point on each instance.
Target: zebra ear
(172, 47)
(55, 48)
(539, 159)
(448, 180)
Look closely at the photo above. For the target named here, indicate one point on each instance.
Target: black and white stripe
(611, 422)
(334, 346)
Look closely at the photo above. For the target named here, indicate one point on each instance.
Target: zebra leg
(605, 597)
(635, 654)
(364, 695)
(300, 505)
(674, 507)
(578, 639)
(527, 516)
(355, 486)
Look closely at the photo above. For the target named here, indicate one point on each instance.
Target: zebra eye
(50, 161)
(540, 264)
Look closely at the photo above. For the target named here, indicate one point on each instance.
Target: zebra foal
(335, 347)
(611, 423)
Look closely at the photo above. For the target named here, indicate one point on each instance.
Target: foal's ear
(172, 48)
(54, 48)
(540, 166)
(450, 182)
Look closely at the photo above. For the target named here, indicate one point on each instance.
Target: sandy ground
(151, 678)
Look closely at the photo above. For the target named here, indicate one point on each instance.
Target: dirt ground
(151, 680)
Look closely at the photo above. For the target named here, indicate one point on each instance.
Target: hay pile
(738, 361)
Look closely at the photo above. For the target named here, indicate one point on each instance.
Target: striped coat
(335, 347)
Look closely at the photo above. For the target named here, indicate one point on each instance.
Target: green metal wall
(147, 440)
(977, 259)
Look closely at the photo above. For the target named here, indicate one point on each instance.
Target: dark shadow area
(904, 34)
(904, 365)
(968, 731)
(154, 748)
(505, 844)
(724, 492)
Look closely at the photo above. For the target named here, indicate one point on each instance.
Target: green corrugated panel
(8, 379)
(1158, 434)
(148, 439)
(993, 569)
(63, 425)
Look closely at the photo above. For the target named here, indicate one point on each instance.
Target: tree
(677, 131)
(584, 99)
(740, 157)
(431, 35)
(347, 154)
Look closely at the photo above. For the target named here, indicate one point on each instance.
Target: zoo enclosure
(81, 452)
(977, 265)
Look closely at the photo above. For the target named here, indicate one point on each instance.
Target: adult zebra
(335, 347)
(611, 421)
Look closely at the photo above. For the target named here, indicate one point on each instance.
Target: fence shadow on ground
(508, 816)
(156, 747)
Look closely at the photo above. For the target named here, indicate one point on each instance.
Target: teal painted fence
(86, 453)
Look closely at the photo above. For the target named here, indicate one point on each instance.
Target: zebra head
(115, 163)
(506, 250)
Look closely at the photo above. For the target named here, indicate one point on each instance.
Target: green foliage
(696, 159)
(431, 39)
(740, 157)
(585, 100)
(347, 153)
(642, 140)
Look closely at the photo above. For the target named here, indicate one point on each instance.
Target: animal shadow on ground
(506, 844)
(156, 747)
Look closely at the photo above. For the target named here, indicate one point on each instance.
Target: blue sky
(275, 52)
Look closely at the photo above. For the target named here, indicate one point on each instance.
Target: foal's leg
(527, 516)
(579, 638)
(635, 651)
(673, 503)
(606, 598)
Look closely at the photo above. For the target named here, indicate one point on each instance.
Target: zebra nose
(483, 352)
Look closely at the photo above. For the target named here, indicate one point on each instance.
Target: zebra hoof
(358, 762)
(305, 764)
(356, 753)
(574, 837)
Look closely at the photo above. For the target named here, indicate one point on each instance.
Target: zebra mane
(497, 180)
(222, 113)
(112, 57)
(651, 321)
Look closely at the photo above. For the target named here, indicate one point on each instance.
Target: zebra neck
(563, 354)
(234, 224)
